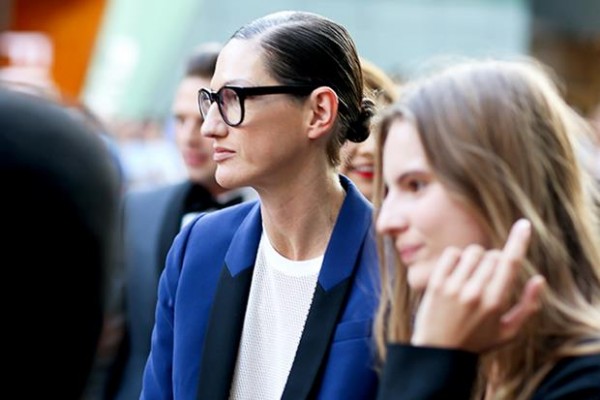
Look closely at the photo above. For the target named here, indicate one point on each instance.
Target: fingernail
(523, 223)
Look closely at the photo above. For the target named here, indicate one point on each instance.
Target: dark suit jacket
(203, 294)
(422, 373)
(152, 219)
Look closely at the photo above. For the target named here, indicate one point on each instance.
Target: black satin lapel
(223, 335)
(303, 380)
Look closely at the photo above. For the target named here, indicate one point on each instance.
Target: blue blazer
(202, 298)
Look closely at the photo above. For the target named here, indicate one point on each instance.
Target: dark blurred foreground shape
(59, 219)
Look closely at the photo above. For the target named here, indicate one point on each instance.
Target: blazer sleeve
(432, 373)
(426, 373)
(572, 378)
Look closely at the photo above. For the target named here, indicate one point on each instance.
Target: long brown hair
(501, 139)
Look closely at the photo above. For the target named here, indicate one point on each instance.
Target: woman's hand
(466, 301)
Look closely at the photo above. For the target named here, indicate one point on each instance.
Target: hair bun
(359, 130)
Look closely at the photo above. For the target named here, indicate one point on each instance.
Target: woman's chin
(417, 278)
(226, 180)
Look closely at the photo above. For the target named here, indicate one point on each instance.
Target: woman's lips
(222, 154)
(408, 253)
(364, 171)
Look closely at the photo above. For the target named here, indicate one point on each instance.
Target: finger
(475, 287)
(518, 240)
(469, 262)
(444, 267)
(529, 304)
(512, 255)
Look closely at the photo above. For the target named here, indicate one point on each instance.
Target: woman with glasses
(274, 299)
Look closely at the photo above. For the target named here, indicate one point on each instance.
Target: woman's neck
(299, 221)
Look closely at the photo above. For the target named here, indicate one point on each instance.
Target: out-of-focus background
(121, 59)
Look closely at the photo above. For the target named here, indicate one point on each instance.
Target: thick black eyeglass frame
(244, 92)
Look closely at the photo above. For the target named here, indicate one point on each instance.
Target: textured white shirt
(278, 304)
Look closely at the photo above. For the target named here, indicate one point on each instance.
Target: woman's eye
(415, 185)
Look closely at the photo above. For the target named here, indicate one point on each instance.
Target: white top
(280, 297)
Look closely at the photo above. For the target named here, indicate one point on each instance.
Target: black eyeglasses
(230, 99)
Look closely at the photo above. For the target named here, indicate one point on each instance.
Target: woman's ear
(323, 111)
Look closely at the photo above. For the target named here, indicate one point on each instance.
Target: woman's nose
(393, 218)
(213, 125)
